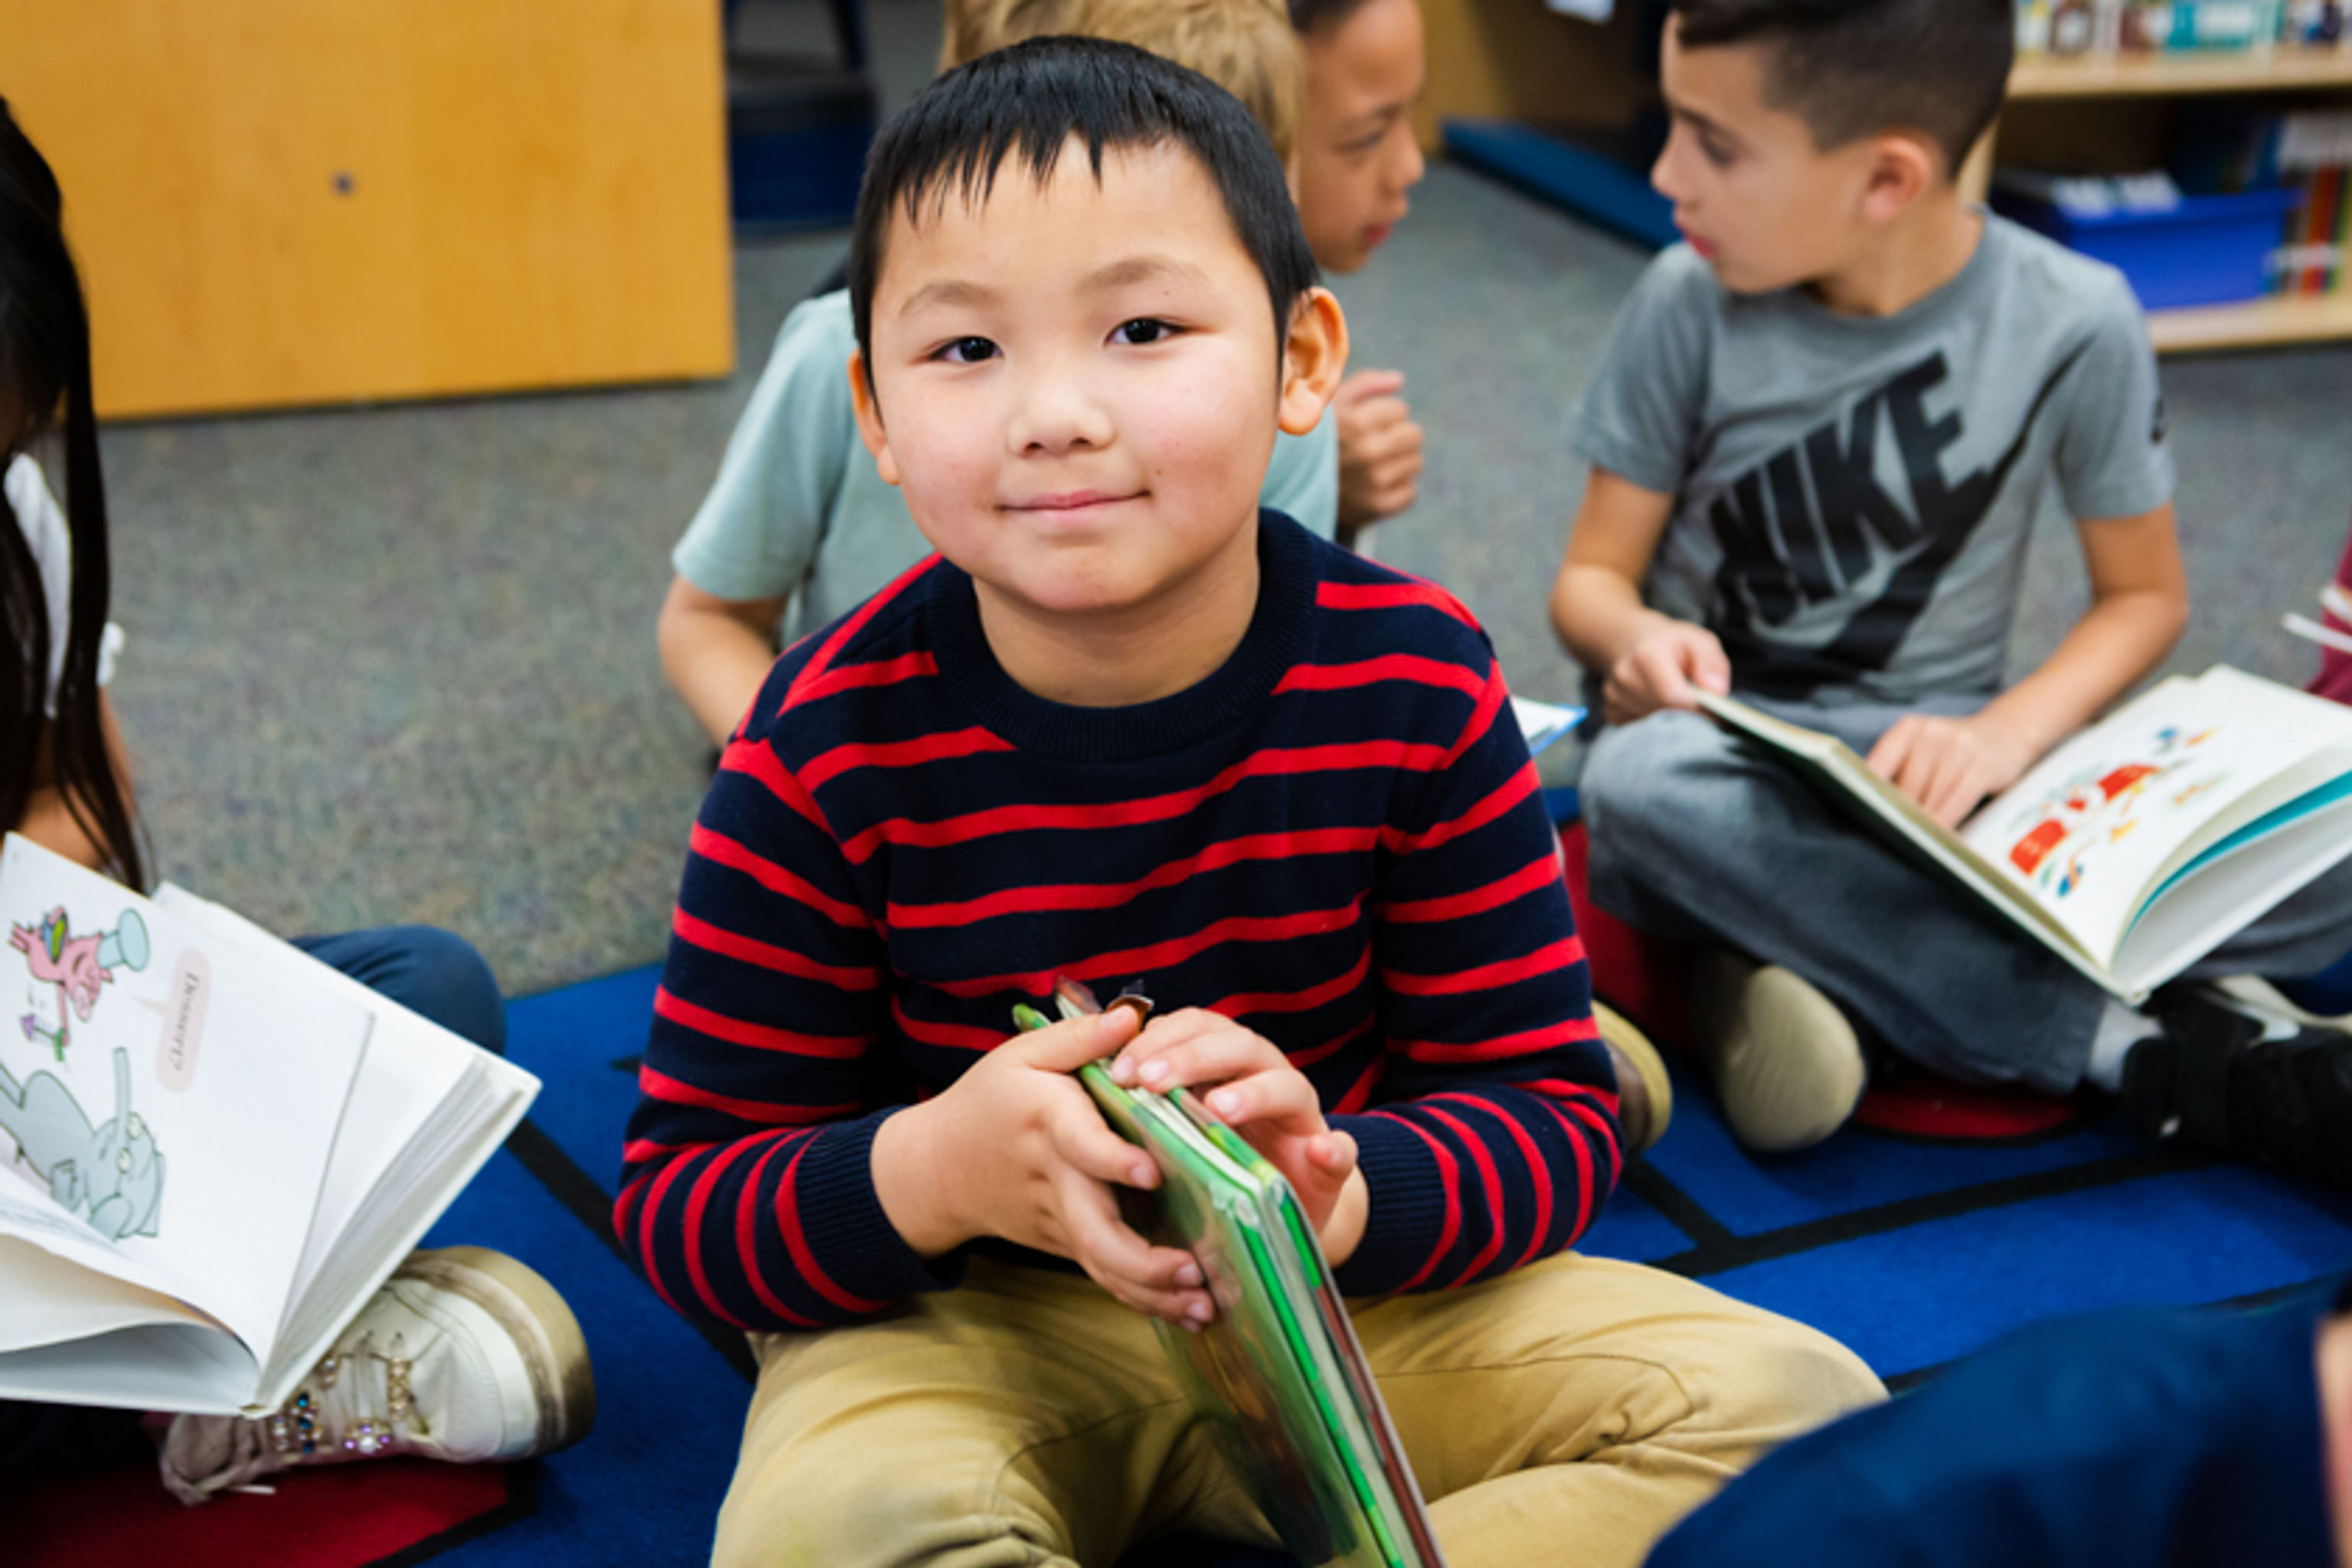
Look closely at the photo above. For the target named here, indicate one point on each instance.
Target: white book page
(2086, 832)
(30, 1217)
(410, 1069)
(2215, 902)
(171, 1091)
(1542, 723)
(151, 1367)
(51, 1300)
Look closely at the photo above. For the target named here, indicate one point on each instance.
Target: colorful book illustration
(2142, 844)
(1278, 1376)
(213, 1148)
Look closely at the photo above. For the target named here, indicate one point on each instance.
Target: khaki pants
(1571, 1413)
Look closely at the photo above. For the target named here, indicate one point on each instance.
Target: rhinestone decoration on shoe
(293, 1430)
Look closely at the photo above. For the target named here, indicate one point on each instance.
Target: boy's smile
(1078, 384)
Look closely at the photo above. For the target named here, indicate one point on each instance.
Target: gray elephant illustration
(110, 1174)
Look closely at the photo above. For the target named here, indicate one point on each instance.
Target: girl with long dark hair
(418, 1371)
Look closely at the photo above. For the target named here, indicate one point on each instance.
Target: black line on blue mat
(1739, 1251)
(1680, 1210)
(592, 1205)
(522, 1502)
(626, 1064)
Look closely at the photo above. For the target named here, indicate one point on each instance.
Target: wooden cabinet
(285, 202)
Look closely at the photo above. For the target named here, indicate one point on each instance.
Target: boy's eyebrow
(949, 292)
(1385, 115)
(959, 293)
(1137, 269)
(1698, 121)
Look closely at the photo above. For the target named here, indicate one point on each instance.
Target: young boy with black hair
(1130, 726)
(1818, 440)
(798, 529)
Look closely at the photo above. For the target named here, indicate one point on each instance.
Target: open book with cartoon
(2144, 842)
(213, 1148)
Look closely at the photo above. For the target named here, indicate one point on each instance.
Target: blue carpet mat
(1912, 1252)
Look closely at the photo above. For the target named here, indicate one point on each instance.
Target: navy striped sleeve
(1492, 1138)
(747, 1189)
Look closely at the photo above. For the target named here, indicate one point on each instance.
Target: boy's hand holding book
(1949, 765)
(1267, 1102)
(1665, 665)
(1016, 1149)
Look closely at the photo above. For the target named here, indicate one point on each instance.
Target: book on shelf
(213, 1148)
(1278, 1375)
(2140, 845)
(2107, 27)
(2226, 148)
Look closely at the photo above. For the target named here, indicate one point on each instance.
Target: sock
(2119, 1030)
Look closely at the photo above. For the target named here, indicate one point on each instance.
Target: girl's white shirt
(43, 525)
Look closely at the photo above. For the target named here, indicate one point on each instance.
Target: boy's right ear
(869, 418)
(1314, 358)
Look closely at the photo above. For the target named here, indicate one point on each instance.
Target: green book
(1278, 1375)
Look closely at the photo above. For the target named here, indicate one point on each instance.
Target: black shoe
(2213, 1080)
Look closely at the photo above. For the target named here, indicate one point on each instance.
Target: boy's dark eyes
(966, 351)
(1716, 150)
(1143, 330)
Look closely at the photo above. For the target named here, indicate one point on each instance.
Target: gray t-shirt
(1852, 495)
(799, 511)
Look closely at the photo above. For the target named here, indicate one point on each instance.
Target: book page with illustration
(2098, 828)
(167, 1105)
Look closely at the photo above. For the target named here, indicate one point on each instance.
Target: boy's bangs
(971, 174)
(1027, 104)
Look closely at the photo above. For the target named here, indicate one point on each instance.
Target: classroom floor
(397, 663)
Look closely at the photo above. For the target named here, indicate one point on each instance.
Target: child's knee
(1765, 1380)
(1635, 771)
(451, 982)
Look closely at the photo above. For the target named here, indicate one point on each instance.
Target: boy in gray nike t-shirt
(1819, 438)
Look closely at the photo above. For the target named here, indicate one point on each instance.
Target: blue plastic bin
(2209, 250)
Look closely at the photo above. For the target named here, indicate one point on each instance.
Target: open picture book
(1278, 1375)
(213, 1148)
(2143, 843)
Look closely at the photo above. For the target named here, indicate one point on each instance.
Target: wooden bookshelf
(2110, 111)
(2253, 323)
(2170, 75)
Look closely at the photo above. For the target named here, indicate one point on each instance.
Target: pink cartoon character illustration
(78, 967)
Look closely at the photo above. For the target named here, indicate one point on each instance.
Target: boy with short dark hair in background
(1818, 440)
(1129, 726)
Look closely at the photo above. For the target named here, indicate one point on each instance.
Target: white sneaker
(1786, 1061)
(465, 1355)
(2254, 995)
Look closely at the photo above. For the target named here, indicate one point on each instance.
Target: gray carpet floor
(397, 664)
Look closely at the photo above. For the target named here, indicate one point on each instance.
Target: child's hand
(1948, 765)
(1016, 1148)
(1380, 447)
(1662, 669)
(1253, 1087)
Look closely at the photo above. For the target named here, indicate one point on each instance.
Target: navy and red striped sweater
(1336, 839)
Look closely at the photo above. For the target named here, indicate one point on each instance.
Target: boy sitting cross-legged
(1126, 726)
(1819, 438)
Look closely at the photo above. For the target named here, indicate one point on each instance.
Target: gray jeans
(1695, 838)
